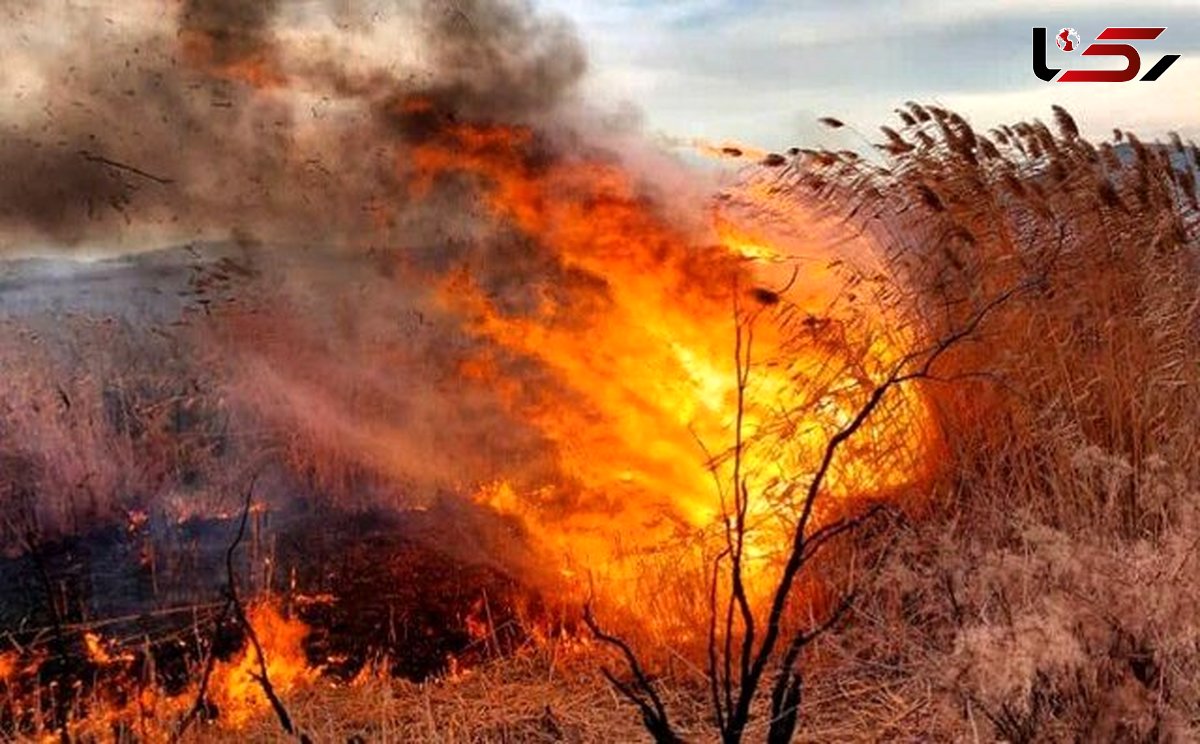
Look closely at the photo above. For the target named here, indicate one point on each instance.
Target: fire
(662, 357)
(98, 651)
(120, 696)
(9, 664)
(641, 390)
(667, 354)
(237, 689)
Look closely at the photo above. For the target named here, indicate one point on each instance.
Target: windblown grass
(1049, 592)
(1049, 587)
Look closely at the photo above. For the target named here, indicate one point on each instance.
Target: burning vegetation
(452, 399)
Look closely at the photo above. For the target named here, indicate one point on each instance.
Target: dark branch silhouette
(736, 675)
(233, 607)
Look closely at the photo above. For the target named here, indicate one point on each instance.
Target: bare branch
(796, 559)
(233, 606)
(644, 696)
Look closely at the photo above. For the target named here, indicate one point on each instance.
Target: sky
(762, 72)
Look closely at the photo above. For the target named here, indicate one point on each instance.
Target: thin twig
(262, 677)
(93, 158)
(645, 697)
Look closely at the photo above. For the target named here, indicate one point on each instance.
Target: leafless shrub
(1049, 594)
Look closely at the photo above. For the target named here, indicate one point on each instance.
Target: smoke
(373, 140)
(294, 124)
(228, 117)
(230, 32)
(498, 60)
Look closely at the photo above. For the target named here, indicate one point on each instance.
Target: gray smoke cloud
(290, 127)
(283, 126)
(231, 117)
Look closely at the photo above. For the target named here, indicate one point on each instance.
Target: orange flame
(236, 687)
(99, 653)
(9, 664)
(643, 385)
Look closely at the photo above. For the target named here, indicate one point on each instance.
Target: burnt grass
(415, 592)
(375, 588)
(390, 596)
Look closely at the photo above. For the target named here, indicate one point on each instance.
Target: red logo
(1067, 40)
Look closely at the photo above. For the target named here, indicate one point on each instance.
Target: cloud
(1098, 109)
(756, 71)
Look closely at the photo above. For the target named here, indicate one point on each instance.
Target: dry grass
(1048, 588)
(1049, 591)
(550, 694)
(560, 696)
(98, 420)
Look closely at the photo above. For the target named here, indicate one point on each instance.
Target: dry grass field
(1039, 583)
